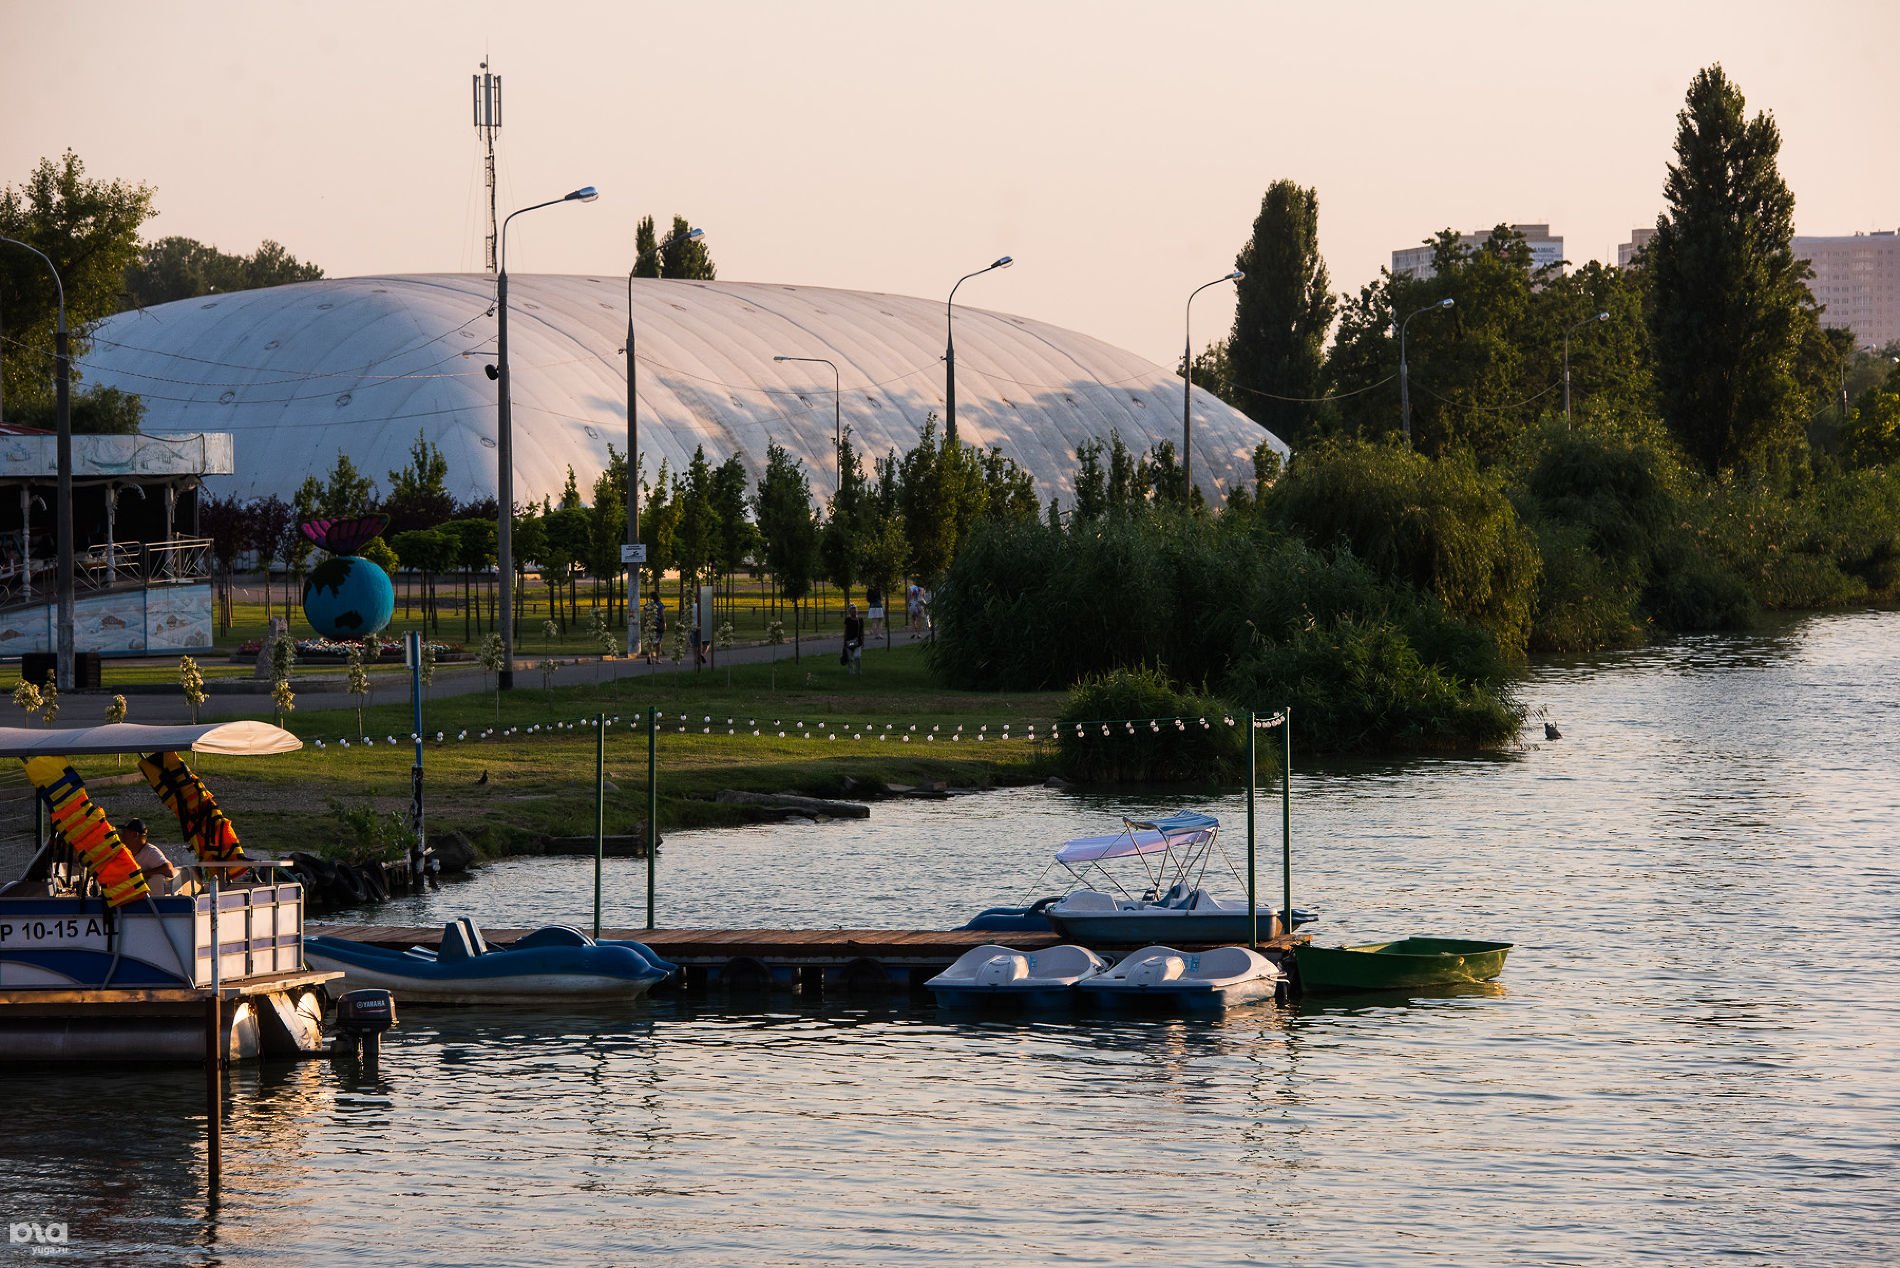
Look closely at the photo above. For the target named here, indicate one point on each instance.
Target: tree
(89, 230)
(1283, 310)
(659, 525)
(927, 493)
(95, 411)
(419, 494)
(272, 529)
(1473, 382)
(306, 506)
(790, 533)
(840, 547)
(684, 257)
(1728, 298)
(226, 521)
(737, 536)
(174, 268)
(1091, 481)
(677, 256)
(698, 537)
(474, 551)
(347, 492)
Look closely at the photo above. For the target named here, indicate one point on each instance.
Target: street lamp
(63, 458)
(633, 458)
(1405, 379)
(504, 439)
(1187, 391)
(837, 397)
(1567, 333)
(950, 351)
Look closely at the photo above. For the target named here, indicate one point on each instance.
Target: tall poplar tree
(1729, 304)
(1283, 309)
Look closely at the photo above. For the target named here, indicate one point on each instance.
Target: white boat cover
(236, 739)
(1141, 837)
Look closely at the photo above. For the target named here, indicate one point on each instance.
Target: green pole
(600, 810)
(1286, 817)
(653, 802)
(1253, 908)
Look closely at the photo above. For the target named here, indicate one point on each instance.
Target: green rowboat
(1384, 966)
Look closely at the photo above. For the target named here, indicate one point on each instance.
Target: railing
(180, 559)
(109, 565)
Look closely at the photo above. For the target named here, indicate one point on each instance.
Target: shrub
(1110, 751)
(368, 835)
(1358, 684)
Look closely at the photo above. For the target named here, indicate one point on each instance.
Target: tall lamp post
(950, 350)
(1187, 390)
(504, 440)
(1576, 326)
(1405, 374)
(837, 398)
(63, 458)
(633, 552)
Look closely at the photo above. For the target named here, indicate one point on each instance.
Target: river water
(1694, 1052)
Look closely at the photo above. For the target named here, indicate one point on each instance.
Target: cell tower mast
(487, 124)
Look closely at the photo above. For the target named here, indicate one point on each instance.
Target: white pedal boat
(1197, 980)
(991, 972)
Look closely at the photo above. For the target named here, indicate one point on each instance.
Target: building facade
(1547, 250)
(1856, 279)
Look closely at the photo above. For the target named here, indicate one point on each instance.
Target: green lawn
(541, 780)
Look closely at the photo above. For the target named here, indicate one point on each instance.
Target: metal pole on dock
(214, 1054)
(653, 802)
(412, 650)
(1286, 816)
(1253, 902)
(600, 809)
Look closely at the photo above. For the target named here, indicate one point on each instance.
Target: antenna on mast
(487, 124)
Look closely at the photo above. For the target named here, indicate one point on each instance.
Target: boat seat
(1087, 900)
(554, 936)
(461, 940)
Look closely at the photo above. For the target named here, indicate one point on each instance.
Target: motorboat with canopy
(1145, 883)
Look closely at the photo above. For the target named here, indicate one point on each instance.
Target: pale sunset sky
(1117, 149)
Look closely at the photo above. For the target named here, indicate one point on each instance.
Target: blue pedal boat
(553, 965)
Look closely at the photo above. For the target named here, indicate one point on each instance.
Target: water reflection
(1694, 1052)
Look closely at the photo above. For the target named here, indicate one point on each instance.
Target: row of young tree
(1713, 331)
(904, 518)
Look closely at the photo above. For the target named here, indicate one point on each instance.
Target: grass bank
(892, 725)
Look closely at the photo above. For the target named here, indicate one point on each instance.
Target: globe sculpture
(347, 596)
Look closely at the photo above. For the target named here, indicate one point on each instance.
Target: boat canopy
(236, 739)
(1142, 836)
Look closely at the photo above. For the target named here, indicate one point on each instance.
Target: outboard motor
(361, 1018)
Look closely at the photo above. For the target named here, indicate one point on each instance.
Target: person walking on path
(656, 617)
(852, 657)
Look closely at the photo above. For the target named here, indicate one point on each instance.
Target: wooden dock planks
(909, 947)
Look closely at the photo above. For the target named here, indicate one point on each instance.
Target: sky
(1117, 149)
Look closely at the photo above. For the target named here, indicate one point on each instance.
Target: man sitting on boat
(161, 874)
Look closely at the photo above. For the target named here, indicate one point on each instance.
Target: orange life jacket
(84, 827)
(212, 836)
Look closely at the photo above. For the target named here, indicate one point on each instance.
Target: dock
(808, 960)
